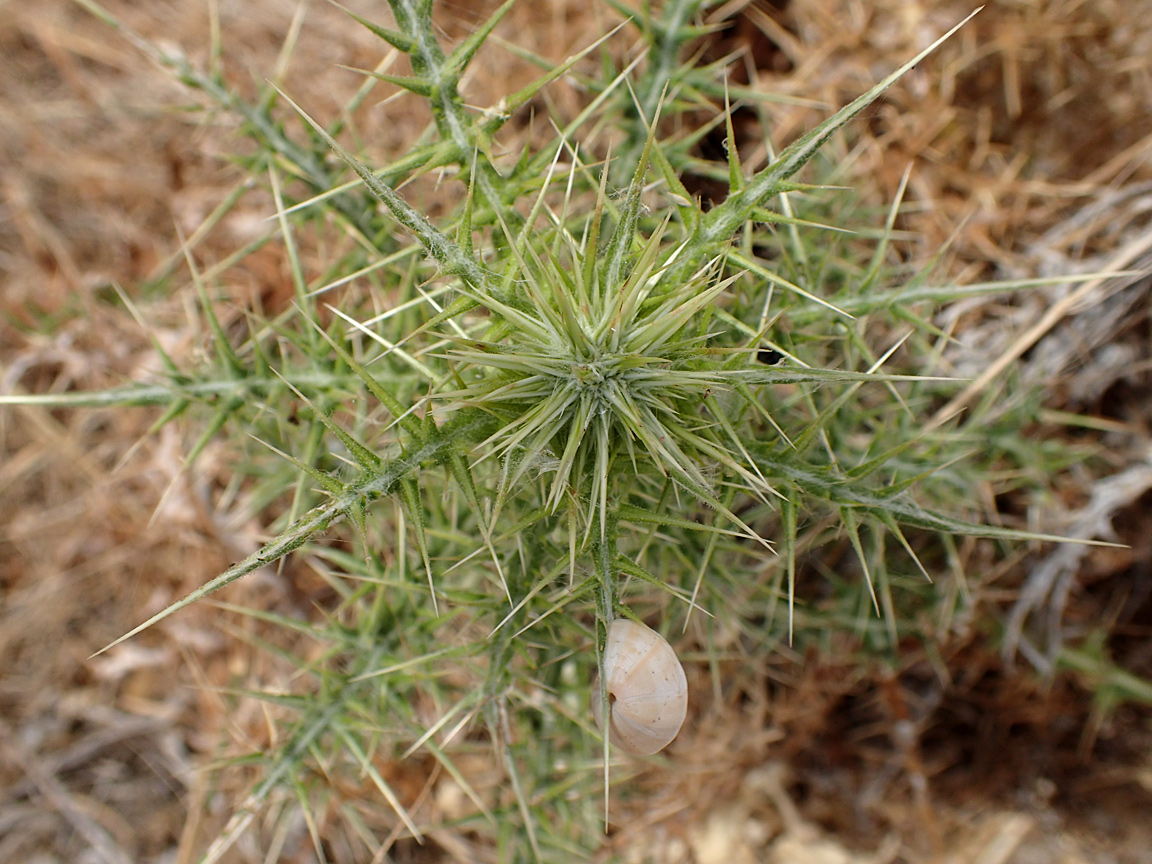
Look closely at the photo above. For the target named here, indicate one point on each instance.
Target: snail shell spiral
(647, 689)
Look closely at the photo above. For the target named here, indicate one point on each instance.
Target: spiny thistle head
(598, 374)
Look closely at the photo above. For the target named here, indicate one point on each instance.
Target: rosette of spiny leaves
(600, 378)
(595, 359)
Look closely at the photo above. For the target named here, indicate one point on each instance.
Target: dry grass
(1031, 143)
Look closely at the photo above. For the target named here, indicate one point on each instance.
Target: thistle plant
(564, 415)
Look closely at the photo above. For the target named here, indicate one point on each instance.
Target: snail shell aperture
(647, 690)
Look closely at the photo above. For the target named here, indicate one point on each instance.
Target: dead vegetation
(1030, 140)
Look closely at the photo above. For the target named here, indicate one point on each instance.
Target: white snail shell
(647, 690)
